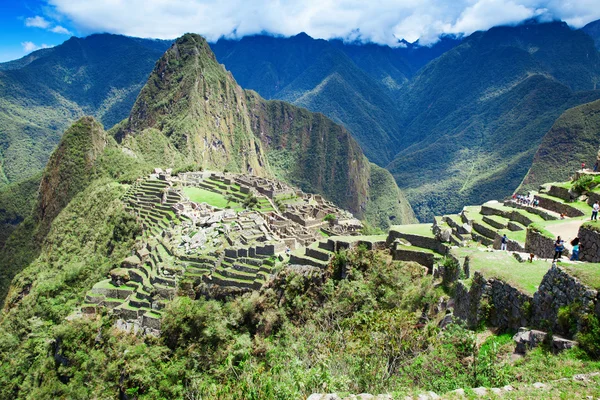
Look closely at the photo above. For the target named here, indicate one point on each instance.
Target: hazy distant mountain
(353, 84)
(593, 29)
(473, 118)
(45, 91)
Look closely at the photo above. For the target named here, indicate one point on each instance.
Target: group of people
(559, 247)
(526, 200)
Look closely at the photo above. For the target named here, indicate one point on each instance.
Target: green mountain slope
(41, 94)
(475, 116)
(192, 111)
(351, 84)
(593, 29)
(572, 140)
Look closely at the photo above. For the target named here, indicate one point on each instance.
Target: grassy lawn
(199, 195)
(518, 236)
(587, 273)
(415, 229)
(502, 265)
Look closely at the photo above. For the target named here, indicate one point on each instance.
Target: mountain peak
(194, 102)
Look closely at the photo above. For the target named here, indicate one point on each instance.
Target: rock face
(527, 339)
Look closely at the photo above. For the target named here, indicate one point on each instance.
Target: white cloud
(61, 30)
(30, 46)
(380, 21)
(37, 22)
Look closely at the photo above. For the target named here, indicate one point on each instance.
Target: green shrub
(583, 184)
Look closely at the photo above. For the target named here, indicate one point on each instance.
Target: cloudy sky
(27, 25)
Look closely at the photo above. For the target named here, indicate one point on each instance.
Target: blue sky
(26, 25)
(20, 35)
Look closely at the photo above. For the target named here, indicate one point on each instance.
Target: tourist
(562, 215)
(595, 209)
(582, 166)
(504, 242)
(575, 252)
(559, 247)
(596, 167)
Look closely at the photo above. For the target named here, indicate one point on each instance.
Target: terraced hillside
(206, 233)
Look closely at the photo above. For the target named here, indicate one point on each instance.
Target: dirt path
(567, 230)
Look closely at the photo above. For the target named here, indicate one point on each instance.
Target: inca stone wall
(589, 240)
(559, 289)
(502, 305)
(492, 301)
(539, 244)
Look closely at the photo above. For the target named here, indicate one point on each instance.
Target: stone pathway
(567, 230)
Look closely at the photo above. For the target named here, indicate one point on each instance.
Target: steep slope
(593, 29)
(311, 151)
(41, 94)
(195, 103)
(192, 112)
(350, 83)
(573, 139)
(475, 116)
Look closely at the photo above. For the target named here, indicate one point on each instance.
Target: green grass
(414, 229)
(587, 273)
(502, 265)
(199, 195)
(518, 236)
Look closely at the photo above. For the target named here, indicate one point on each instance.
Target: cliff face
(311, 151)
(198, 106)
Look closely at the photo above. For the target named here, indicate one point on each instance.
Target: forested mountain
(573, 139)
(593, 29)
(352, 84)
(473, 118)
(42, 93)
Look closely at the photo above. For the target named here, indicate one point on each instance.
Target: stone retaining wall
(491, 301)
(589, 240)
(425, 259)
(559, 289)
(559, 207)
(418, 241)
(560, 192)
(540, 245)
(512, 245)
(502, 305)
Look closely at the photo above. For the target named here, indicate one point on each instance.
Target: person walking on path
(575, 251)
(595, 209)
(559, 247)
(596, 167)
(504, 242)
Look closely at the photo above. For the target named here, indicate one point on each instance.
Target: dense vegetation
(41, 94)
(306, 332)
(573, 139)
